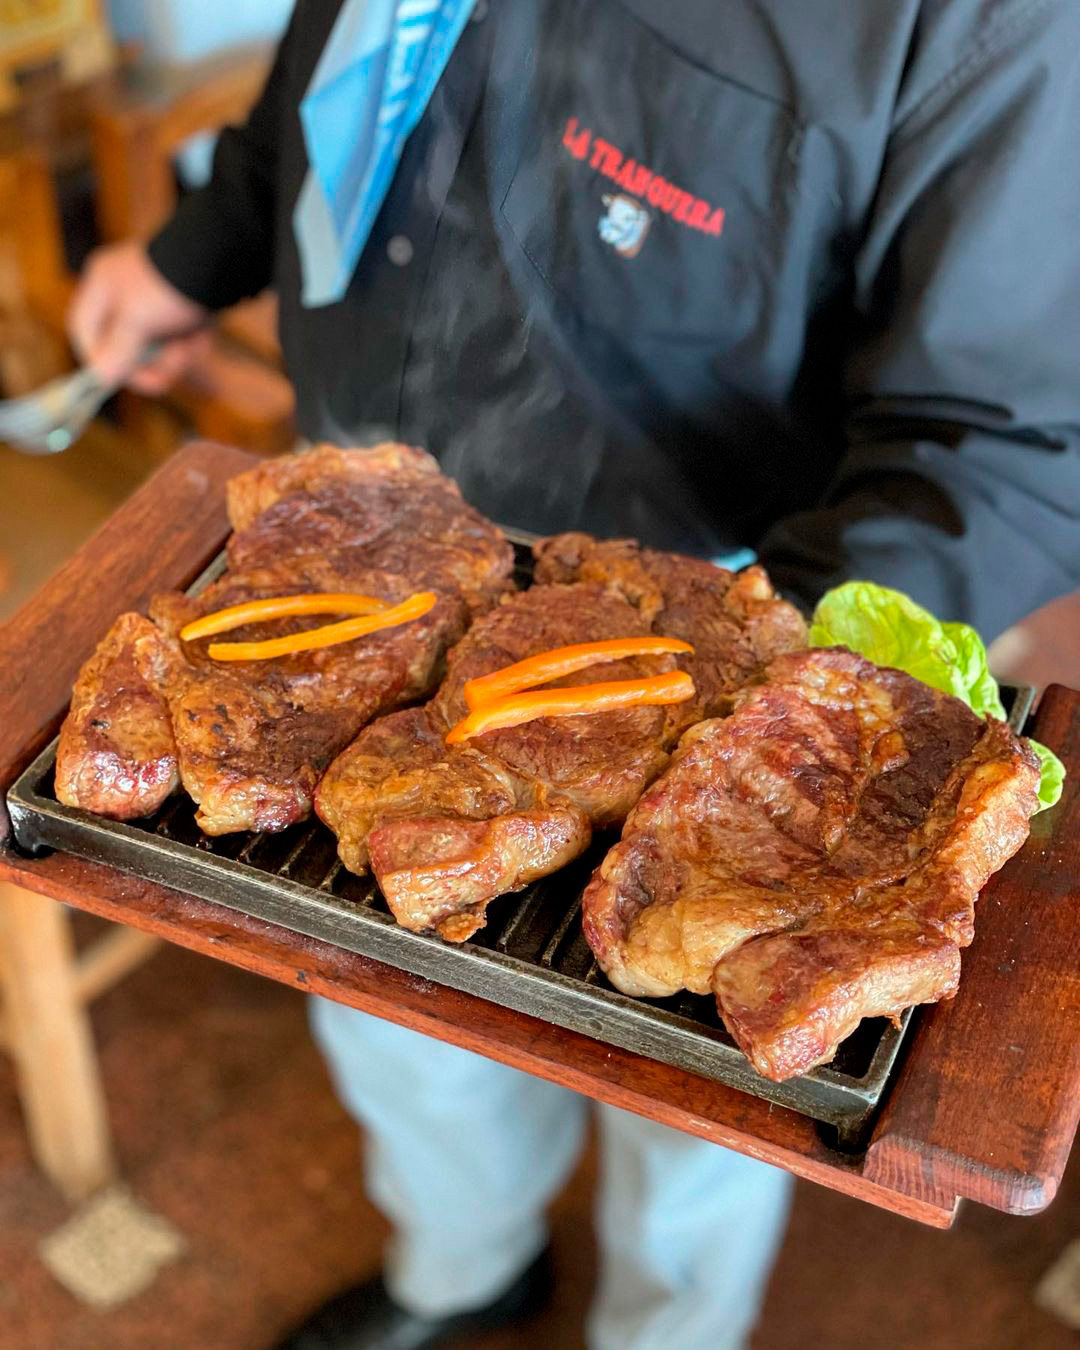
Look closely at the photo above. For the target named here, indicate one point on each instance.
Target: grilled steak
(382, 510)
(446, 829)
(117, 756)
(814, 858)
(252, 738)
(736, 623)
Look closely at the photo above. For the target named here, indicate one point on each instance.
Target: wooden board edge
(893, 1159)
(196, 469)
(940, 1153)
(538, 1048)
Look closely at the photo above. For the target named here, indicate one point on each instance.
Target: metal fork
(56, 415)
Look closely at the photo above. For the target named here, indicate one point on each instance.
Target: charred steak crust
(251, 739)
(814, 858)
(117, 755)
(447, 829)
(388, 509)
(735, 620)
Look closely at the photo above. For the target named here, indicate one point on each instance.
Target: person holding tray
(799, 282)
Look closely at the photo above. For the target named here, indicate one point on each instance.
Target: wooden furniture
(69, 37)
(46, 988)
(986, 1103)
(34, 284)
(44, 137)
(133, 121)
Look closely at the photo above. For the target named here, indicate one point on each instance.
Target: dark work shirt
(800, 278)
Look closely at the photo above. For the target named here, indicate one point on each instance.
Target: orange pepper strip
(674, 687)
(328, 636)
(278, 607)
(560, 661)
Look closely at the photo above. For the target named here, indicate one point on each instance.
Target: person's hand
(122, 303)
(1043, 648)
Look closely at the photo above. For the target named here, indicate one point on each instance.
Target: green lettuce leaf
(982, 689)
(1052, 780)
(889, 628)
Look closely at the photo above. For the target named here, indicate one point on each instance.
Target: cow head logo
(624, 224)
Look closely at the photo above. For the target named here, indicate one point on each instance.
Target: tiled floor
(227, 1129)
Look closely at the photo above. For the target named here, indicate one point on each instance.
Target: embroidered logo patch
(626, 222)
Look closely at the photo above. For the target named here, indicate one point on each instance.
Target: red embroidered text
(639, 181)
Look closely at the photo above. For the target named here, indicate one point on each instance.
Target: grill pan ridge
(531, 956)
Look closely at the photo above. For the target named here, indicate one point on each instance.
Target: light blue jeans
(463, 1154)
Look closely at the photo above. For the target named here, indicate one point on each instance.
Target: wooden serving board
(986, 1102)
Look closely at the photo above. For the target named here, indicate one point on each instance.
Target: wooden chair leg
(49, 1035)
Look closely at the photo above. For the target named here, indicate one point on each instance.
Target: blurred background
(107, 114)
(227, 1201)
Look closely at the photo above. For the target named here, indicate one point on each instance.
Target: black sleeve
(961, 481)
(218, 247)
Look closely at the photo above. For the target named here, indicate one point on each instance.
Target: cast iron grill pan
(531, 956)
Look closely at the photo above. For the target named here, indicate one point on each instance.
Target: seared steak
(446, 829)
(814, 858)
(252, 738)
(117, 756)
(736, 623)
(383, 510)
